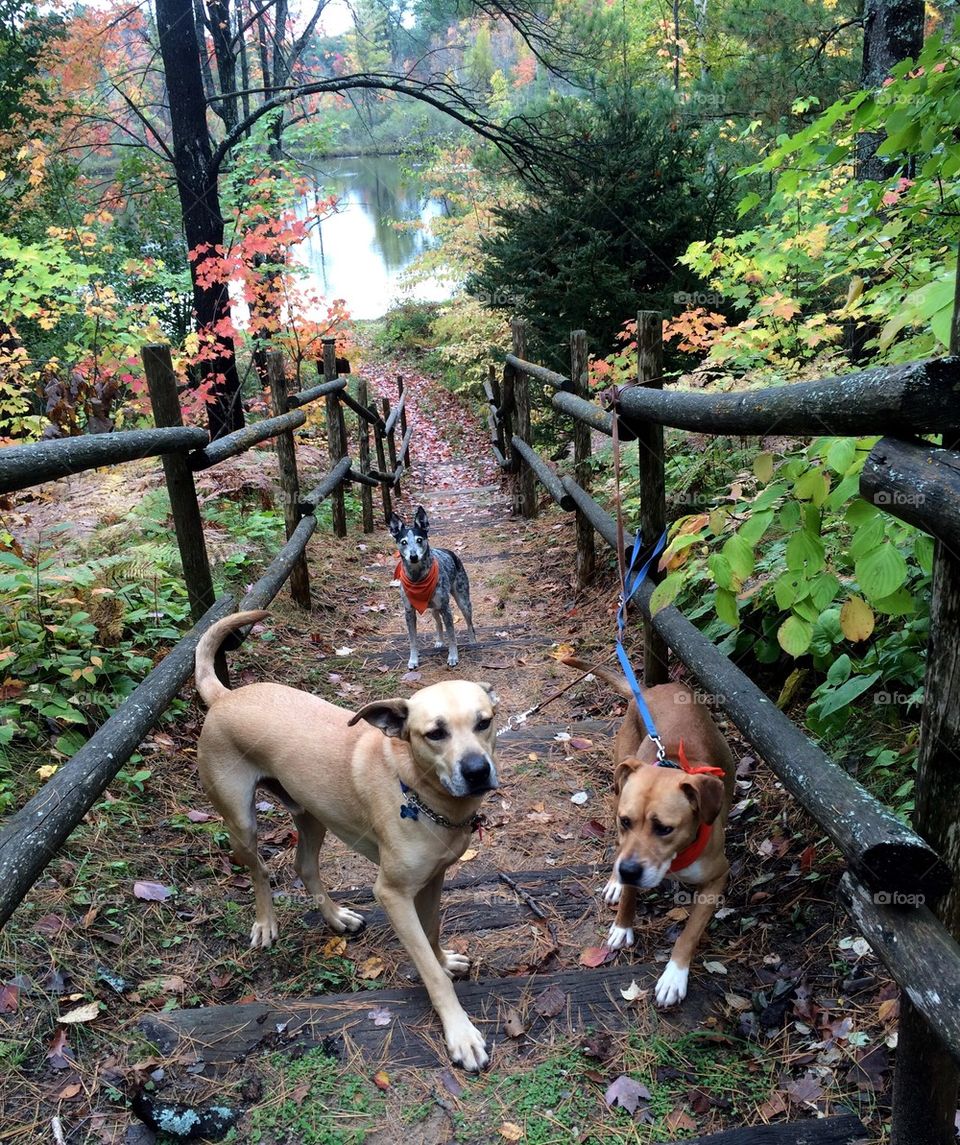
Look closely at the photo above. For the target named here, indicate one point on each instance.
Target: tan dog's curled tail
(209, 687)
(616, 681)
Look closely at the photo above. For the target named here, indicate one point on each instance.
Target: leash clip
(661, 750)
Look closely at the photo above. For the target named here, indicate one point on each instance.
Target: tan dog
(404, 792)
(661, 812)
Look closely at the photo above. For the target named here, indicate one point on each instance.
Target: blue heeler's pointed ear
(420, 518)
(395, 525)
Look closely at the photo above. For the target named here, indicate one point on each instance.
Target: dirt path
(772, 972)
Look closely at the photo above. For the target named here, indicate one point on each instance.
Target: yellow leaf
(381, 1079)
(84, 1013)
(856, 619)
(468, 854)
(510, 1131)
(371, 968)
(763, 467)
(334, 947)
(561, 651)
(47, 771)
(96, 661)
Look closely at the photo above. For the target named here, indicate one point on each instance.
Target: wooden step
(843, 1130)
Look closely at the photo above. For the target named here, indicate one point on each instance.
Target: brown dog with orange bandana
(671, 815)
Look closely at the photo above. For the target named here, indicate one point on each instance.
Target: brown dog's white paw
(612, 892)
(619, 937)
(456, 965)
(343, 921)
(262, 934)
(671, 987)
(466, 1044)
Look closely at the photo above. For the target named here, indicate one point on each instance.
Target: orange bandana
(689, 855)
(419, 592)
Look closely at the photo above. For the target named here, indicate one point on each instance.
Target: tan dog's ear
(705, 793)
(390, 716)
(488, 688)
(622, 772)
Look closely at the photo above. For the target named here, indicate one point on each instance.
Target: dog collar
(414, 805)
(689, 855)
(683, 764)
(420, 591)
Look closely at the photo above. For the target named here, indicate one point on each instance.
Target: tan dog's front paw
(262, 934)
(343, 921)
(619, 936)
(466, 1044)
(612, 892)
(672, 985)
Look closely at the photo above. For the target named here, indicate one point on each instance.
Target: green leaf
(868, 537)
(923, 553)
(826, 633)
(755, 526)
(665, 592)
(788, 587)
(823, 589)
(839, 671)
(859, 512)
(763, 467)
(843, 696)
(720, 570)
(740, 555)
(804, 553)
(726, 606)
(813, 486)
(842, 454)
(881, 572)
(899, 603)
(794, 636)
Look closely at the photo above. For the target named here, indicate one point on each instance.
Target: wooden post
(927, 1079)
(525, 492)
(289, 479)
(403, 420)
(363, 450)
(382, 466)
(336, 437)
(162, 384)
(653, 498)
(579, 375)
(391, 442)
(497, 399)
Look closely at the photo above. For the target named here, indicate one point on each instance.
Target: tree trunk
(892, 31)
(200, 203)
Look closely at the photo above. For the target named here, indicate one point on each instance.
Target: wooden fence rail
(30, 838)
(895, 874)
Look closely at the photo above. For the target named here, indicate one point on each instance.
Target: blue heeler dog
(429, 577)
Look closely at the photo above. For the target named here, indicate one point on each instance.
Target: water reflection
(357, 254)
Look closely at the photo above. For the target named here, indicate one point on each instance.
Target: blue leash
(631, 582)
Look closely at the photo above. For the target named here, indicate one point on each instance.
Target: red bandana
(689, 855)
(419, 592)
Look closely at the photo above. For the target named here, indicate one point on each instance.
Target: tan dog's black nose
(475, 769)
(631, 871)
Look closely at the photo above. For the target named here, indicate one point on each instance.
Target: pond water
(358, 254)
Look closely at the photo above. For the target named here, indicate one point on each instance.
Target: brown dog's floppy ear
(705, 793)
(622, 772)
(390, 716)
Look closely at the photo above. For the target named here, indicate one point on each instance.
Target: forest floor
(142, 917)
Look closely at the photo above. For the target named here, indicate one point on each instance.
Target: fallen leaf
(579, 798)
(513, 1025)
(598, 1044)
(677, 914)
(381, 1079)
(48, 771)
(581, 744)
(69, 1091)
(807, 855)
(334, 947)
(887, 1011)
(679, 1119)
(738, 1002)
(411, 677)
(342, 651)
(510, 1131)
(633, 992)
(773, 1106)
(539, 817)
(85, 1013)
(49, 925)
(152, 892)
(9, 999)
(468, 854)
(804, 1089)
(380, 1016)
(59, 1053)
(626, 1093)
(596, 955)
(450, 1083)
(370, 968)
(551, 1002)
(199, 816)
(165, 984)
(715, 967)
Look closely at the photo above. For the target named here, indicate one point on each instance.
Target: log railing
(903, 885)
(30, 837)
